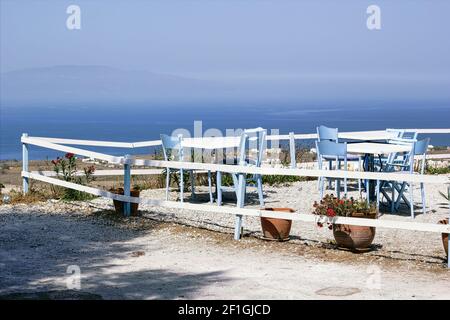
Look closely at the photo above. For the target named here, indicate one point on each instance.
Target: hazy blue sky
(220, 38)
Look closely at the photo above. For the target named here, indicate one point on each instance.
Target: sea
(131, 123)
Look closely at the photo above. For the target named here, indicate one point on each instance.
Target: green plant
(66, 168)
(275, 180)
(175, 176)
(436, 170)
(271, 180)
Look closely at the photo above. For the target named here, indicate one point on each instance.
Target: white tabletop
(376, 148)
(211, 142)
(368, 135)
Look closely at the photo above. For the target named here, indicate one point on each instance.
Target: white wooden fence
(239, 212)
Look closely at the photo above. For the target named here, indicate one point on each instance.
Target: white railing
(127, 162)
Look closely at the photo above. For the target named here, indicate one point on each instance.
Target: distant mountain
(101, 85)
(96, 84)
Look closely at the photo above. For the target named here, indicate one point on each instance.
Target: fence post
(24, 164)
(292, 150)
(240, 203)
(448, 244)
(126, 186)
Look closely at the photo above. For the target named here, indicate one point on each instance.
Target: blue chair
(337, 152)
(173, 151)
(331, 134)
(419, 149)
(258, 136)
(387, 164)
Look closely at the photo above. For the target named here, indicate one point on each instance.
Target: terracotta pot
(445, 236)
(118, 205)
(274, 228)
(353, 237)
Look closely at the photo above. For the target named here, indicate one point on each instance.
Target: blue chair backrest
(325, 133)
(331, 149)
(170, 143)
(259, 145)
(421, 147)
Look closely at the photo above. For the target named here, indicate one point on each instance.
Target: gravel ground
(393, 243)
(173, 254)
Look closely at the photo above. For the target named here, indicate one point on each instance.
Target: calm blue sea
(138, 123)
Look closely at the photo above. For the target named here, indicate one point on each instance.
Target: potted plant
(444, 235)
(347, 236)
(118, 205)
(274, 228)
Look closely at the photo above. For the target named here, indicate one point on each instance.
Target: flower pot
(353, 237)
(445, 236)
(274, 228)
(118, 205)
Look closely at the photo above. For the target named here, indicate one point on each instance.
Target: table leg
(372, 184)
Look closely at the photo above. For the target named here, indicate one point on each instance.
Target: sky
(230, 37)
(304, 47)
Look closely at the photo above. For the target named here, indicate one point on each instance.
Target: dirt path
(144, 259)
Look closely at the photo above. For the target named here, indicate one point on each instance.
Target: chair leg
(181, 185)
(400, 194)
(368, 193)
(167, 183)
(337, 182)
(330, 167)
(192, 183)
(411, 199)
(219, 188)
(393, 198)
(378, 196)
(422, 191)
(359, 180)
(345, 187)
(260, 190)
(210, 187)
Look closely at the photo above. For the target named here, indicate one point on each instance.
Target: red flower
(90, 169)
(331, 213)
(341, 202)
(69, 155)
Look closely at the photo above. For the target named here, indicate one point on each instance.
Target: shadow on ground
(36, 249)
